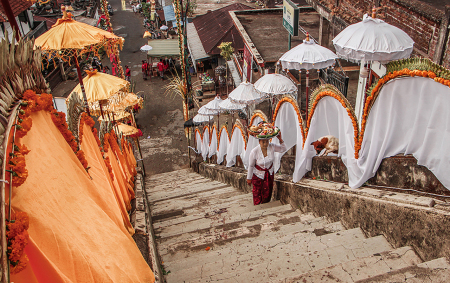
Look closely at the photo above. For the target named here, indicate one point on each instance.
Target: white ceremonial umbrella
(201, 118)
(275, 84)
(373, 40)
(368, 41)
(246, 94)
(308, 55)
(146, 48)
(228, 105)
(213, 105)
(164, 27)
(203, 111)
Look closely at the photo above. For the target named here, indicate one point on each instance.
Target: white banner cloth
(329, 118)
(410, 116)
(223, 145)
(198, 142)
(236, 147)
(287, 121)
(213, 143)
(205, 143)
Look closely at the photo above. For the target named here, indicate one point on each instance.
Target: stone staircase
(207, 231)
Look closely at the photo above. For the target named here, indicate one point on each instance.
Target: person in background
(114, 68)
(261, 171)
(144, 69)
(161, 68)
(166, 65)
(127, 73)
(149, 70)
(172, 63)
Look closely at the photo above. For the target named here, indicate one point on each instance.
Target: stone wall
(421, 21)
(401, 219)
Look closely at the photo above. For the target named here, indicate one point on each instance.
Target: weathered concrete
(206, 233)
(403, 219)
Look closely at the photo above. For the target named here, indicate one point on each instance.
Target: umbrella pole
(80, 78)
(101, 109)
(307, 93)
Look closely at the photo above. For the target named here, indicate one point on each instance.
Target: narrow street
(161, 119)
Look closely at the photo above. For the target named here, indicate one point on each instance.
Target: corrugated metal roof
(217, 26)
(195, 45)
(169, 13)
(17, 6)
(163, 47)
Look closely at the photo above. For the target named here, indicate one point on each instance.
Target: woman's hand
(249, 181)
(279, 138)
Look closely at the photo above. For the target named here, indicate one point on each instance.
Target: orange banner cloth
(73, 237)
(123, 164)
(119, 180)
(102, 180)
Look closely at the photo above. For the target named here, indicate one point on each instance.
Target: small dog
(330, 143)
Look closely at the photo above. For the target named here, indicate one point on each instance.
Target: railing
(337, 78)
(38, 30)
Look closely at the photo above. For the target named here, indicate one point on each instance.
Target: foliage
(226, 50)
(176, 87)
(146, 8)
(191, 8)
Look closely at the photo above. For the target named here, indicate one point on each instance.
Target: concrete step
(165, 211)
(237, 253)
(164, 178)
(182, 191)
(226, 219)
(361, 268)
(433, 271)
(284, 260)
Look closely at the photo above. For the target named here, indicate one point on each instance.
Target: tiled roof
(217, 26)
(17, 6)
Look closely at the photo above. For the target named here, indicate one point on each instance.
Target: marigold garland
(198, 131)
(376, 90)
(342, 101)
(257, 114)
(108, 165)
(203, 132)
(17, 239)
(85, 119)
(299, 116)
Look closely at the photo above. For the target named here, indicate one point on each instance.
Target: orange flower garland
(242, 133)
(17, 239)
(257, 114)
(219, 135)
(299, 116)
(85, 119)
(203, 132)
(108, 165)
(342, 101)
(198, 131)
(376, 90)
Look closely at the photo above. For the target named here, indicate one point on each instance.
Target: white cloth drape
(236, 147)
(329, 118)
(223, 145)
(198, 142)
(205, 143)
(287, 121)
(252, 142)
(410, 116)
(213, 143)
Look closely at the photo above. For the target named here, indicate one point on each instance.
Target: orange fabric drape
(119, 180)
(102, 180)
(123, 164)
(131, 159)
(73, 237)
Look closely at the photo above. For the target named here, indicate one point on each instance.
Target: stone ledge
(404, 219)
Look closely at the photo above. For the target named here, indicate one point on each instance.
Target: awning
(169, 13)
(163, 47)
(194, 44)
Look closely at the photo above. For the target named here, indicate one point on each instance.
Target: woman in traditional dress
(260, 169)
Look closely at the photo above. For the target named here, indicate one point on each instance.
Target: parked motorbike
(110, 10)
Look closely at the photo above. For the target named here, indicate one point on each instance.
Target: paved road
(162, 118)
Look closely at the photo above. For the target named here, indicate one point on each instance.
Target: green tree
(226, 51)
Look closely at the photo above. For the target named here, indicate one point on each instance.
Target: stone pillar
(443, 36)
(320, 29)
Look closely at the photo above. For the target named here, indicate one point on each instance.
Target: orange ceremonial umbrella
(126, 129)
(69, 39)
